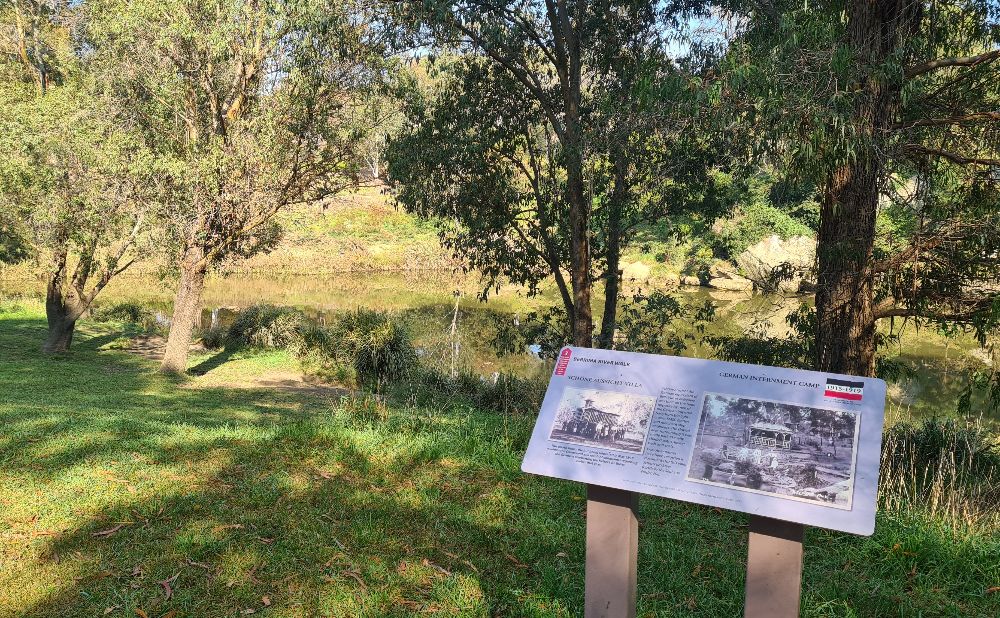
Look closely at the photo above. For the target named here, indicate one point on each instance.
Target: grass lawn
(126, 493)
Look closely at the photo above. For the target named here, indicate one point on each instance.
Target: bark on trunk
(579, 221)
(612, 278)
(61, 312)
(187, 309)
(61, 328)
(846, 325)
(845, 336)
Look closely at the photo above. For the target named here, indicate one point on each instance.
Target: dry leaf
(266, 600)
(106, 533)
(171, 614)
(166, 585)
(992, 589)
(111, 609)
(141, 614)
(200, 565)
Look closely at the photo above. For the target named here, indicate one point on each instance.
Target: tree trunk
(845, 318)
(61, 312)
(61, 328)
(187, 309)
(612, 277)
(579, 221)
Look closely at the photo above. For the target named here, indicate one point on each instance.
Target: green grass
(304, 504)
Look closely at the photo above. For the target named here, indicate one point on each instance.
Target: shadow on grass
(126, 490)
(212, 362)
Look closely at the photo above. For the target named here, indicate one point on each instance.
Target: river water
(425, 301)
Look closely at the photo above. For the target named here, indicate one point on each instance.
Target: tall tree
(250, 105)
(889, 107)
(533, 150)
(73, 185)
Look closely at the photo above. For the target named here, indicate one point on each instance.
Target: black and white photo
(786, 450)
(604, 419)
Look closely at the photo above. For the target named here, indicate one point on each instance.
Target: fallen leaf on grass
(516, 562)
(166, 585)
(439, 569)
(354, 575)
(253, 571)
(200, 565)
(992, 589)
(106, 533)
(141, 614)
(171, 614)
(108, 610)
(266, 600)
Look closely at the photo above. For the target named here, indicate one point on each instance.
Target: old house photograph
(792, 451)
(603, 419)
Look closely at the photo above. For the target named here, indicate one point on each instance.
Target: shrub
(752, 222)
(214, 338)
(128, 313)
(376, 346)
(503, 393)
(264, 327)
(364, 346)
(945, 469)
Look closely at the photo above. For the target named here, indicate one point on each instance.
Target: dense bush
(365, 346)
(947, 469)
(504, 393)
(214, 338)
(753, 221)
(127, 312)
(264, 327)
(378, 347)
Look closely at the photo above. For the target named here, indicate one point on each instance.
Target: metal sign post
(612, 551)
(774, 568)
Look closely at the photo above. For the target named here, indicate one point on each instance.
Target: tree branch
(951, 156)
(958, 61)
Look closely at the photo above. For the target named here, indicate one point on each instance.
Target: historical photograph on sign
(786, 450)
(603, 419)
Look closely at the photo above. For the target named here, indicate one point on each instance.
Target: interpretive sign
(798, 446)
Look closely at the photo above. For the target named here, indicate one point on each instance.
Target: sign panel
(801, 446)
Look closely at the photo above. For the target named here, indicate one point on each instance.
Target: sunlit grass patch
(126, 490)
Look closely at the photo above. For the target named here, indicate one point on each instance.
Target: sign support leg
(774, 568)
(612, 550)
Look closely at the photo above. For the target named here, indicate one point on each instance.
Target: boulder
(690, 280)
(733, 284)
(783, 264)
(636, 271)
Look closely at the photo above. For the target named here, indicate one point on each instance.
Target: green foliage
(264, 327)
(370, 347)
(756, 217)
(502, 393)
(947, 468)
(126, 312)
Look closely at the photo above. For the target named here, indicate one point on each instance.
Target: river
(425, 301)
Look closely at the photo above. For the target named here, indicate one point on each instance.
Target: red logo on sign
(563, 362)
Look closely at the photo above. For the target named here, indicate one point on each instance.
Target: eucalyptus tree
(250, 105)
(74, 187)
(889, 107)
(531, 146)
